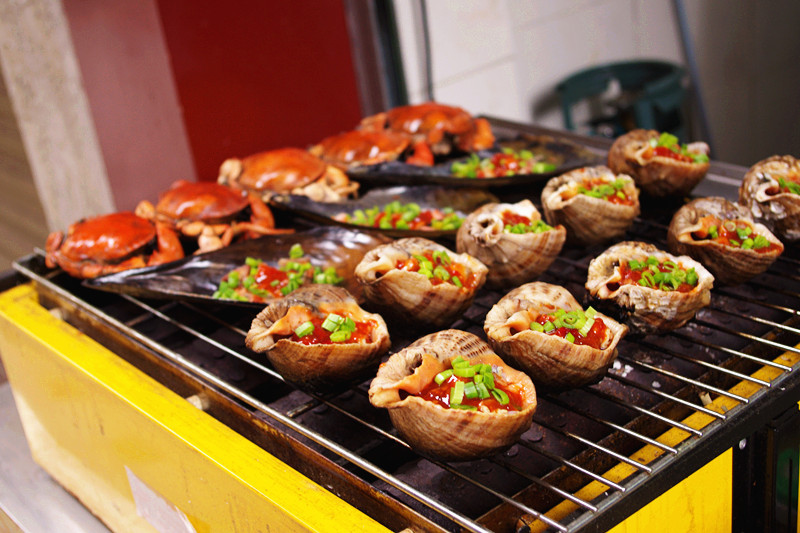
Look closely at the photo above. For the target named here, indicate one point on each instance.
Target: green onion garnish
(306, 328)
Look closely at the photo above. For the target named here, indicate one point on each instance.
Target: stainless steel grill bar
(570, 464)
(706, 364)
(758, 320)
(685, 379)
(564, 494)
(664, 395)
(749, 337)
(743, 355)
(594, 445)
(646, 412)
(612, 425)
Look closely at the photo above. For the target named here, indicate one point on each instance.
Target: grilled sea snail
(451, 397)
(593, 203)
(319, 336)
(722, 235)
(512, 240)
(659, 165)
(418, 281)
(771, 191)
(544, 330)
(653, 290)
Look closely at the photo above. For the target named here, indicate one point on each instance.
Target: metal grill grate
(670, 403)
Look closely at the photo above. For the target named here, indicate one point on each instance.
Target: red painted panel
(253, 74)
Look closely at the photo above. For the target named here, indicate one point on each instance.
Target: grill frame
(160, 361)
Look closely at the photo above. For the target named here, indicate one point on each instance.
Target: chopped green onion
(340, 335)
(443, 376)
(332, 322)
(500, 396)
(306, 328)
(587, 326)
(457, 393)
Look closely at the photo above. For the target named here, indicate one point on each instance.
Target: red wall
(177, 86)
(266, 74)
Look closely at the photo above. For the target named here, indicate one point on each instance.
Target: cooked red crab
(212, 213)
(356, 148)
(111, 243)
(287, 170)
(434, 129)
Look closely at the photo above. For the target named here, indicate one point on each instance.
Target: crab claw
(421, 155)
(52, 244)
(169, 246)
(481, 137)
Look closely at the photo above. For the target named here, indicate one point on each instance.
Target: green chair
(652, 97)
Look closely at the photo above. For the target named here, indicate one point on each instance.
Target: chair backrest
(654, 90)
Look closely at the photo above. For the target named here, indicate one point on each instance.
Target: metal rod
(679, 377)
(612, 425)
(706, 364)
(570, 464)
(662, 394)
(612, 453)
(646, 412)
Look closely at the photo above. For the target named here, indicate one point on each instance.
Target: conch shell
(410, 297)
(646, 310)
(656, 175)
(442, 433)
(589, 220)
(316, 365)
(549, 360)
(728, 264)
(761, 194)
(512, 258)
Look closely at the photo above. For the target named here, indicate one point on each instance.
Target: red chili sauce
(664, 151)
(440, 394)
(726, 232)
(321, 335)
(266, 275)
(512, 219)
(594, 338)
(455, 270)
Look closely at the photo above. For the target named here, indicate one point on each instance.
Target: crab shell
(441, 127)
(588, 220)
(449, 434)
(410, 297)
(111, 243)
(284, 171)
(761, 194)
(549, 360)
(211, 213)
(316, 365)
(512, 258)
(646, 310)
(729, 265)
(357, 148)
(655, 175)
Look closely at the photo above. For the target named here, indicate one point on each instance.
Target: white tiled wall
(504, 57)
